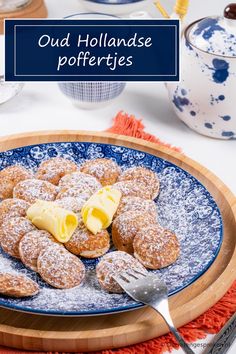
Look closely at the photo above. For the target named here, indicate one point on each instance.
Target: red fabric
(129, 125)
(209, 322)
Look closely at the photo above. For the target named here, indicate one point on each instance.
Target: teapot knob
(230, 11)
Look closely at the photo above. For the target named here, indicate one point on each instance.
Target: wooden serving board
(35, 9)
(33, 332)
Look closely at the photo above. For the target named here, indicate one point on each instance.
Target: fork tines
(129, 276)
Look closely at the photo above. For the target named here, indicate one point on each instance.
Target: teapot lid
(216, 35)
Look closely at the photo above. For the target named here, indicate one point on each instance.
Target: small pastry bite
(54, 169)
(144, 176)
(105, 170)
(17, 285)
(85, 244)
(73, 204)
(31, 190)
(12, 232)
(98, 211)
(10, 177)
(60, 268)
(114, 264)
(48, 216)
(32, 244)
(133, 189)
(137, 204)
(76, 192)
(80, 181)
(10, 208)
(156, 247)
(126, 226)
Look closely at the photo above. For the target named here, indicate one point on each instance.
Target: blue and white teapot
(205, 99)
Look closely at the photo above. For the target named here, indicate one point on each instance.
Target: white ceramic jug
(205, 98)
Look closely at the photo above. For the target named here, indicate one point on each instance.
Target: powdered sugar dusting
(156, 247)
(105, 170)
(54, 169)
(142, 175)
(111, 265)
(10, 176)
(72, 204)
(84, 242)
(126, 226)
(133, 189)
(77, 192)
(79, 179)
(32, 189)
(10, 208)
(137, 204)
(12, 231)
(184, 206)
(60, 268)
(31, 244)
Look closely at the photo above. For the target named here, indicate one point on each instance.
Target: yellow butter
(48, 216)
(98, 211)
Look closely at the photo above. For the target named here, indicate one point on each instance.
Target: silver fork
(150, 290)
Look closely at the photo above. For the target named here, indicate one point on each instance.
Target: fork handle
(181, 341)
(164, 312)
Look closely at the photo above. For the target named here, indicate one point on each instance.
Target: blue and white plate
(184, 206)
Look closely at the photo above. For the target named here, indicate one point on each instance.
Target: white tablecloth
(41, 106)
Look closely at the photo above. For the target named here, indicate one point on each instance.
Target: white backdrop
(41, 106)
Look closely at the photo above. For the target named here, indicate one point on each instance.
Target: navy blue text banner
(92, 50)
